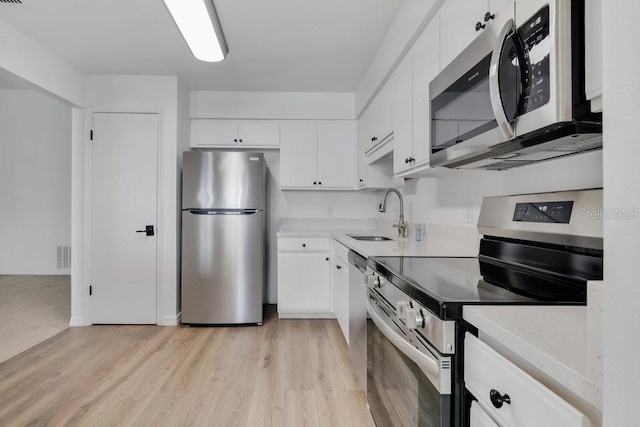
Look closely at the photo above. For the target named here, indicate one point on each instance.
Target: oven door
(408, 384)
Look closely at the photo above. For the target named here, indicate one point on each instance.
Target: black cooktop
(444, 285)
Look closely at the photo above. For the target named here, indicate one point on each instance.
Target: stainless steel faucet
(402, 226)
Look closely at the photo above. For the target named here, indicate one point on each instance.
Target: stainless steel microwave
(516, 95)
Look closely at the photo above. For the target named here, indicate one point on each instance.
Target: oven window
(463, 110)
(398, 393)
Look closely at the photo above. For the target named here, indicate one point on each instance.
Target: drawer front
(341, 252)
(531, 404)
(303, 244)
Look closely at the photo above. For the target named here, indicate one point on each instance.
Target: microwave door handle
(494, 83)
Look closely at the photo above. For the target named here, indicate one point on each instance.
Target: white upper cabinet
(461, 21)
(426, 65)
(234, 133)
(318, 155)
(298, 154)
(377, 120)
(336, 154)
(403, 115)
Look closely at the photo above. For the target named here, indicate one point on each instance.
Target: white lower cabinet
(340, 286)
(304, 278)
(508, 395)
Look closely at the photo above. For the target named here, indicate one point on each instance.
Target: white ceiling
(274, 45)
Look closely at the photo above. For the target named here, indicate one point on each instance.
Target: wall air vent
(63, 257)
(10, 1)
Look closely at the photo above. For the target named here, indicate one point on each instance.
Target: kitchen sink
(369, 238)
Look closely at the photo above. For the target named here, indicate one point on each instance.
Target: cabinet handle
(480, 26)
(497, 399)
(488, 16)
(235, 140)
(319, 183)
(240, 140)
(326, 259)
(304, 245)
(412, 159)
(406, 160)
(338, 267)
(375, 138)
(361, 180)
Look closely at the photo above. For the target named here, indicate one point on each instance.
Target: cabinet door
(382, 113)
(458, 20)
(298, 155)
(403, 115)
(259, 133)
(206, 132)
(336, 154)
(340, 282)
(363, 144)
(426, 66)
(304, 282)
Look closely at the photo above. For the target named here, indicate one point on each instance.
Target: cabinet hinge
(90, 290)
(91, 134)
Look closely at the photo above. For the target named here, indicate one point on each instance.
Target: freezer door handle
(147, 229)
(223, 211)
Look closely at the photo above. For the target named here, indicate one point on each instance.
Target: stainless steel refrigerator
(223, 228)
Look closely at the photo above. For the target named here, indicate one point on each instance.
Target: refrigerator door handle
(223, 211)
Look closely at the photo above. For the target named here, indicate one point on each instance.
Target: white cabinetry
(510, 396)
(304, 278)
(377, 120)
(340, 286)
(461, 21)
(318, 155)
(403, 115)
(234, 133)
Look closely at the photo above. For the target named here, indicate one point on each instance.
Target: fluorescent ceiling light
(198, 22)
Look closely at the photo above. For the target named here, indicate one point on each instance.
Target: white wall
(152, 94)
(622, 191)
(442, 200)
(35, 182)
(38, 67)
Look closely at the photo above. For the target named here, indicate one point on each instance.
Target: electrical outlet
(330, 212)
(468, 211)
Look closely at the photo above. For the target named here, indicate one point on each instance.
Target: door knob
(147, 229)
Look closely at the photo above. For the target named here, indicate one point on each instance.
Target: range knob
(401, 308)
(376, 281)
(414, 318)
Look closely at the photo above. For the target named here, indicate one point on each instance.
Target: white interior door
(124, 186)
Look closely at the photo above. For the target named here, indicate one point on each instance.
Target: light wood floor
(284, 373)
(32, 309)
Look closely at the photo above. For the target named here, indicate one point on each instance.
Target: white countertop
(440, 240)
(551, 343)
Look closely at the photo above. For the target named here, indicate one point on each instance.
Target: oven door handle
(428, 365)
(494, 83)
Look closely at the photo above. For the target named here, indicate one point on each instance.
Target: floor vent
(64, 256)
(10, 1)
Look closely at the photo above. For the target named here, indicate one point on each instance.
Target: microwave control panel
(551, 212)
(536, 43)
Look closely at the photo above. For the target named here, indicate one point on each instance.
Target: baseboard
(171, 320)
(78, 321)
(306, 315)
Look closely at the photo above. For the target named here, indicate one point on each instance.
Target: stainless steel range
(536, 249)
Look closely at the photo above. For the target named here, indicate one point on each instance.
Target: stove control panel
(417, 320)
(552, 212)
